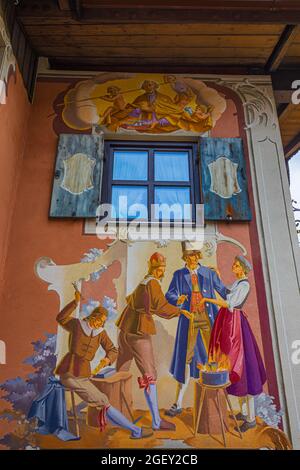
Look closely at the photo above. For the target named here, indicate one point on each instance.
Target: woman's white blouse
(238, 293)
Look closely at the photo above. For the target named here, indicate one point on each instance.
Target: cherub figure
(202, 112)
(184, 94)
(115, 96)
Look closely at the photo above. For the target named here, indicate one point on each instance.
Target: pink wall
(34, 235)
(14, 117)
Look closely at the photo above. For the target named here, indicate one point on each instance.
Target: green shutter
(223, 179)
(78, 176)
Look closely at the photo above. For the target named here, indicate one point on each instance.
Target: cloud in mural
(153, 104)
(81, 112)
(208, 96)
(107, 302)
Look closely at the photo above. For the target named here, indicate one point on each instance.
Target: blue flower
(91, 255)
(266, 410)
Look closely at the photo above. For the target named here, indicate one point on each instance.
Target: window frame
(194, 182)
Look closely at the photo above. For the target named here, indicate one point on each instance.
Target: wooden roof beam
(292, 147)
(168, 11)
(100, 65)
(287, 37)
(163, 15)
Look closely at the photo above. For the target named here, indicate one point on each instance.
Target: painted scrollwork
(256, 101)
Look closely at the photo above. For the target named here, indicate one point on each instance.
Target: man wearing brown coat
(136, 328)
(86, 336)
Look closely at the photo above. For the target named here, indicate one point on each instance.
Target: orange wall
(14, 117)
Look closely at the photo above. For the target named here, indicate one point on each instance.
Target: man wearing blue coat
(188, 286)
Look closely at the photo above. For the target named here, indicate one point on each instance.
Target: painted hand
(77, 296)
(202, 301)
(181, 299)
(103, 363)
(187, 314)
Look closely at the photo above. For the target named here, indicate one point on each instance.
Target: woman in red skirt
(232, 336)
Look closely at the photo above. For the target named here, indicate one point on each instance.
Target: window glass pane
(130, 165)
(135, 206)
(176, 197)
(171, 166)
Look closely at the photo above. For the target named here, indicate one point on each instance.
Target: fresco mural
(91, 357)
(148, 344)
(134, 102)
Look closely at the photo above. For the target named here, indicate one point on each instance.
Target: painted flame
(217, 362)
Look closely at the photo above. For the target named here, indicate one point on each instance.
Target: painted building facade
(43, 253)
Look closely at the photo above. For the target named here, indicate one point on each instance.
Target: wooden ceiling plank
(291, 62)
(193, 41)
(204, 4)
(292, 129)
(297, 38)
(161, 16)
(293, 51)
(281, 48)
(134, 52)
(292, 121)
(134, 67)
(285, 114)
(60, 26)
(253, 63)
(289, 133)
(293, 145)
(260, 13)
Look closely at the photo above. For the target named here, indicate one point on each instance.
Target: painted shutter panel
(224, 181)
(78, 176)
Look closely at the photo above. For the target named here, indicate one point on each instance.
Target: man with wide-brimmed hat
(188, 286)
(137, 326)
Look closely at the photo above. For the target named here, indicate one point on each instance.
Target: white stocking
(181, 388)
(251, 408)
(243, 405)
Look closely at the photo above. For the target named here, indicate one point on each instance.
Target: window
(138, 175)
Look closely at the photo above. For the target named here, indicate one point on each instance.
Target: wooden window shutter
(223, 179)
(78, 176)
